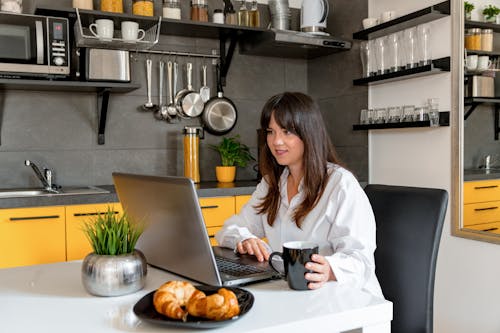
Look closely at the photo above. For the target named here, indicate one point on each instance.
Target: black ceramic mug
(295, 255)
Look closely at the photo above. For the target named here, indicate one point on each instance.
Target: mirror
(476, 144)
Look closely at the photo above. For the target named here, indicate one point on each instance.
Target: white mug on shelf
(131, 31)
(483, 63)
(369, 22)
(103, 27)
(471, 62)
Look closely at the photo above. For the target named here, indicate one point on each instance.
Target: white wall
(466, 297)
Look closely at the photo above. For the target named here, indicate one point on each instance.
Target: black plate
(145, 310)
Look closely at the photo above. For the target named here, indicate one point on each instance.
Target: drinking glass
(381, 50)
(380, 115)
(423, 36)
(394, 114)
(433, 111)
(372, 60)
(410, 38)
(371, 116)
(363, 117)
(365, 52)
(408, 112)
(394, 52)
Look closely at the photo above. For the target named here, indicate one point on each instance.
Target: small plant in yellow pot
(232, 153)
(115, 267)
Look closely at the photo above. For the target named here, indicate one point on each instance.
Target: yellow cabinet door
(77, 244)
(215, 211)
(482, 212)
(481, 191)
(240, 201)
(30, 236)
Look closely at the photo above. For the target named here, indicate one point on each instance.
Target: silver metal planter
(106, 275)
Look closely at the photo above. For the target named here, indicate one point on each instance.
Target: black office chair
(409, 222)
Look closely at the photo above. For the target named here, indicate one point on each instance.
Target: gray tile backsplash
(59, 129)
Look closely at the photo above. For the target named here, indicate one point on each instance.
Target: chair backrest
(409, 222)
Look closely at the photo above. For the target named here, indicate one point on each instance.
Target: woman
(305, 194)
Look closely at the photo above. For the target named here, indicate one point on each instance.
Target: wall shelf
(444, 120)
(482, 25)
(103, 90)
(438, 66)
(422, 16)
(479, 52)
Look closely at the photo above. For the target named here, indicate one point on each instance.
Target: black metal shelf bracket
(102, 113)
(473, 106)
(225, 58)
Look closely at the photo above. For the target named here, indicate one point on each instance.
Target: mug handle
(139, 32)
(93, 25)
(270, 260)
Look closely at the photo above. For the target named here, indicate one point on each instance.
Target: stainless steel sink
(36, 192)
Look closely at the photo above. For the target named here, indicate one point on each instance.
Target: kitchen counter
(204, 189)
(481, 174)
(51, 298)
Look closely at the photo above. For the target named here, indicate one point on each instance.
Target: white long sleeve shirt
(342, 224)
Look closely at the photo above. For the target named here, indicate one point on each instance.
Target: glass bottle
(143, 7)
(192, 136)
(254, 15)
(199, 10)
(172, 9)
(114, 6)
(230, 15)
(243, 14)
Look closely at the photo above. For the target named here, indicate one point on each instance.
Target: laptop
(176, 239)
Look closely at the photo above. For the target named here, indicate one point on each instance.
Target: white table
(51, 298)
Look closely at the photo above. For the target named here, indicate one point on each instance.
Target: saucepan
(220, 114)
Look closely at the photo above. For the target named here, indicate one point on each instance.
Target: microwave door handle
(39, 42)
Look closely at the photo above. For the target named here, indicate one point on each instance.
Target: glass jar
(218, 16)
(487, 39)
(473, 39)
(83, 4)
(253, 14)
(199, 10)
(143, 7)
(172, 9)
(13, 6)
(243, 13)
(115, 6)
(192, 136)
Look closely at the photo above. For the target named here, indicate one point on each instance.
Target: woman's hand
(322, 272)
(255, 247)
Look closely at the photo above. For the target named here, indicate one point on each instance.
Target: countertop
(51, 298)
(204, 189)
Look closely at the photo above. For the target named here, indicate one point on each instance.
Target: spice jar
(192, 136)
(487, 39)
(218, 16)
(473, 39)
(172, 9)
(115, 6)
(143, 7)
(254, 15)
(199, 10)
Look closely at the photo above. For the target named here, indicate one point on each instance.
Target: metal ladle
(161, 112)
(171, 109)
(149, 106)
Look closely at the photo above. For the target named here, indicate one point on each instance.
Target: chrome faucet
(487, 162)
(45, 178)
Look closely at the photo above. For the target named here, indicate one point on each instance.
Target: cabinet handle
(91, 214)
(490, 229)
(485, 208)
(34, 218)
(209, 207)
(484, 187)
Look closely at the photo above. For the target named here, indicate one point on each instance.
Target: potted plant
(232, 153)
(468, 7)
(115, 267)
(490, 13)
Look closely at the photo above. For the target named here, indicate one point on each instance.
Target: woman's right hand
(255, 247)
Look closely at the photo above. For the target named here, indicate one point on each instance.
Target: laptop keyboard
(236, 269)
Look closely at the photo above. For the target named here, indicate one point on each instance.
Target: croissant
(171, 298)
(220, 306)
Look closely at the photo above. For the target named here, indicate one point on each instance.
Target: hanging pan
(220, 114)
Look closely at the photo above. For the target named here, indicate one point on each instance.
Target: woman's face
(286, 147)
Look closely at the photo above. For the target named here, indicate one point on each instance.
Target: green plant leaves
(111, 234)
(233, 152)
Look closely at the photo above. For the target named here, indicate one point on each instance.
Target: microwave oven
(33, 46)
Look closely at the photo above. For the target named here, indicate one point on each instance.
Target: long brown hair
(300, 115)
